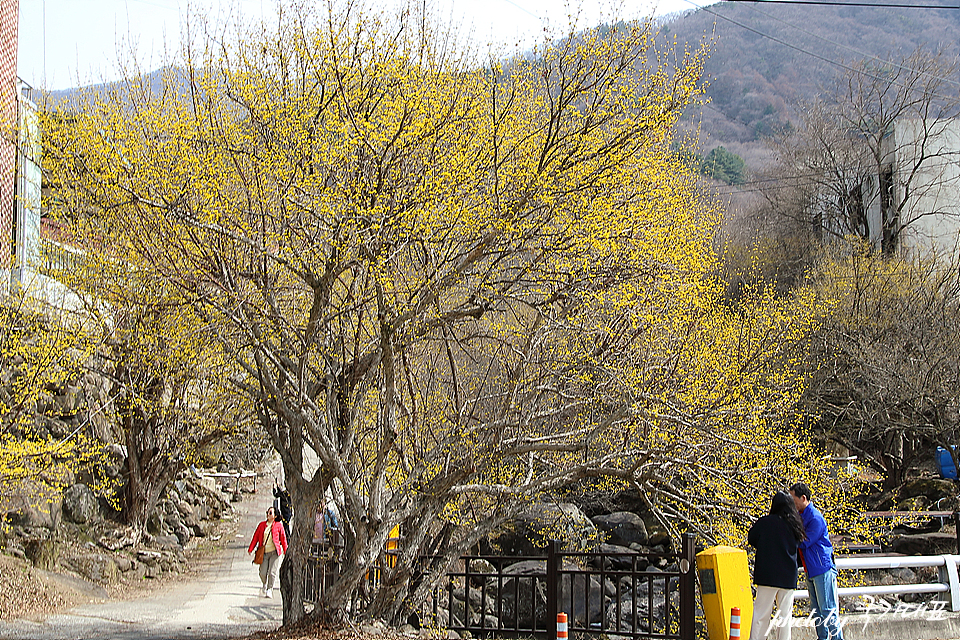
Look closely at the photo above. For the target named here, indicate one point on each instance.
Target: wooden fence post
(956, 522)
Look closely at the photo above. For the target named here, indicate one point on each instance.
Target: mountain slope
(756, 81)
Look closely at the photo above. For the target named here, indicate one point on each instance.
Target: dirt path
(219, 601)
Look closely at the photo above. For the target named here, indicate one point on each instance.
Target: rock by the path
(529, 533)
(44, 515)
(41, 551)
(621, 558)
(96, 567)
(117, 539)
(657, 533)
(79, 504)
(932, 488)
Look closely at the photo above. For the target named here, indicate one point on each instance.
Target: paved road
(218, 602)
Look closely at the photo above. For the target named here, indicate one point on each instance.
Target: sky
(66, 43)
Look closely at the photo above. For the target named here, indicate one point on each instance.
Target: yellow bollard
(724, 584)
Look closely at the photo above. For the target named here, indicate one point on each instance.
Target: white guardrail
(949, 582)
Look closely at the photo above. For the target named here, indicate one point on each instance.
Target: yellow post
(724, 584)
(393, 543)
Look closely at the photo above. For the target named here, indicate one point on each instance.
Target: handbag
(258, 556)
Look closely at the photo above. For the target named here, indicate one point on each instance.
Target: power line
(849, 48)
(528, 12)
(840, 3)
(809, 53)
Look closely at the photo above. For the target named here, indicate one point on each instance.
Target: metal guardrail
(949, 577)
(54, 259)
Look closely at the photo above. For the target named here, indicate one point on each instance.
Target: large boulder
(633, 614)
(657, 533)
(620, 558)
(96, 392)
(188, 514)
(622, 528)
(529, 533)
(115, 539)
(933, 488)
(79, 504)
(45, 515)
(114, 460)
(96, 567)
(66, 403)
(925, 544)
(598, 503)
(41, 551)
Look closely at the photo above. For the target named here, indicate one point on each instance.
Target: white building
(913, 201)
(925, 166)
(26, 194)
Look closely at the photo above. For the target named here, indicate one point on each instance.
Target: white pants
(763, 607)
(269, 569)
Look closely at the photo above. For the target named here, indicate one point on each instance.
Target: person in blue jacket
(775, 537)
(817, 555)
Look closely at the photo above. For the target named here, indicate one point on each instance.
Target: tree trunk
(295, 562)
(304, 497)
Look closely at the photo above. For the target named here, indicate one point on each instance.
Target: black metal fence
(323, 566)
(630, 595)
(615, 594)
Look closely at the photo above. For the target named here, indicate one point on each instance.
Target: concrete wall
(933, 212)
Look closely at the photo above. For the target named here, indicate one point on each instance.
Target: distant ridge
(756, 82)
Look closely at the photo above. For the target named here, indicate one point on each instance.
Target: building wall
(26, 207)
(922, 163)
(9, 17)
(935, 202)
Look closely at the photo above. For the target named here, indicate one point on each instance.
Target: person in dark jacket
(776, 538)
(817, 555)
(281, 505)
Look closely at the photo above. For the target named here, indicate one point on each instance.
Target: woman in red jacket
(271, 536)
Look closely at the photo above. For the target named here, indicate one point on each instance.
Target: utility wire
(847, 47)
(943, 162)
(790, 182)
(809, 53)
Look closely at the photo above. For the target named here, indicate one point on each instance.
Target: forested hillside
(768, 58)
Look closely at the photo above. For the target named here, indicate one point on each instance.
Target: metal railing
(323, 565)
(603, 593)
(948, 579)
(55, 259)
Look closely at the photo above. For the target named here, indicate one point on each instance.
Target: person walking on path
(775, 537)
(270, 543)
(816, 553)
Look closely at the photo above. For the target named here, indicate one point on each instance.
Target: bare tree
(875, 155)
(889, 385)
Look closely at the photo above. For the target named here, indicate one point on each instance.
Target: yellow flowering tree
(452, 286)
(38, 355)
(168, 381)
